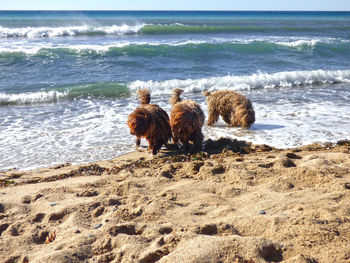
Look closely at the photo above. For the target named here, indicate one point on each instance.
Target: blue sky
(328, 5)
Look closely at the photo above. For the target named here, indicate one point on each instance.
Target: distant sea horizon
(167, 10)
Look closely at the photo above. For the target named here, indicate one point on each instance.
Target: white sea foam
(120, 29)
(33, 48)
(30, 45)
(259, 80)
(37, 32)
(300, 43)
(31, 97)
(251, 82)
(294, 42)
(32, 32)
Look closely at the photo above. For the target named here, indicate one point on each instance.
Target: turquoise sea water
(68, 80)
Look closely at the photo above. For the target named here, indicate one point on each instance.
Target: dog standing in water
(234, 108)
(186, 121)
(151, 122)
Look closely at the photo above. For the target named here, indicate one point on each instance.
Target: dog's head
(139, 123)
(246, 117)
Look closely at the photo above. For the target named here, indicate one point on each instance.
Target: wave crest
(37, 32)
(31, 97)
(177, 47)
(254, 81)
(145, 29)
(94, 90)
(116, 90)
(124, 29)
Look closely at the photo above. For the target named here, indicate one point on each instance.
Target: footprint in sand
(38, 217)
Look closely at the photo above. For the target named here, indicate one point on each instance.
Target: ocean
(68, 80)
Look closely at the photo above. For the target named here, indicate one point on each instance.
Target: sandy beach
(233, 202)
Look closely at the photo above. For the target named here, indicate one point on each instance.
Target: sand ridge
(233, 202)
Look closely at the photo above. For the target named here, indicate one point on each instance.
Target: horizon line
(169, 10)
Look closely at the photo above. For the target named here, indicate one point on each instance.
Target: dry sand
(235, 203)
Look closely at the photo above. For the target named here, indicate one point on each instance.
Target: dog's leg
(226, 118)
(176, 140)
(150, 144)
(213, 117)
(197, 141)
(156, 147)
(186, 144)
(138, 141)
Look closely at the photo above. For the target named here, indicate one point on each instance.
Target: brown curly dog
(151, 122)
(186, 121)
(234, 108)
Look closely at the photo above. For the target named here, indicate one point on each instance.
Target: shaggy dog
(234, 108)
(186, 121)
(149, 121)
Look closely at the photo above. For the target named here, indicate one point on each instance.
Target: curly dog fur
(234, 108)
(151, 122)
(186, 121)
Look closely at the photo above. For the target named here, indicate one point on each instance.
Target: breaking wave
(37, 32)
(92, 90)
(174, 47)
(115, 90)
(259, 80)
(142, 28)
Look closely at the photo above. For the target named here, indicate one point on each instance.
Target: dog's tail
(175, 98)
(144, 96)
(206, 93)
